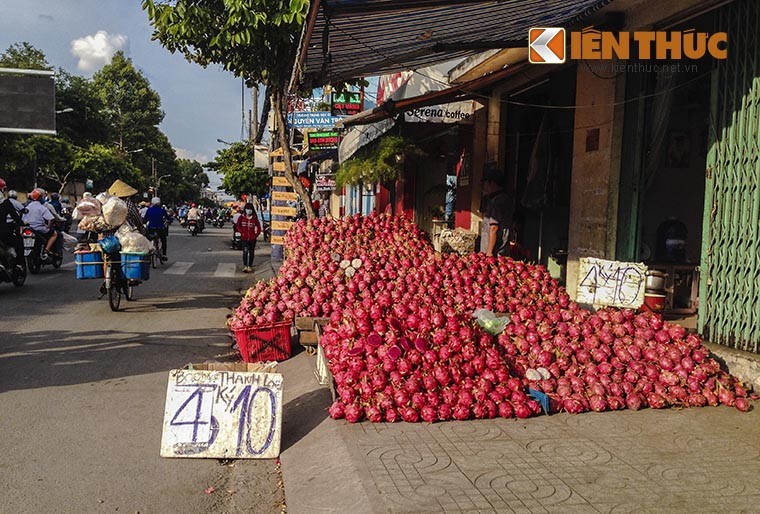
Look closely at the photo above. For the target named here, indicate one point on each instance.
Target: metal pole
(255, 110)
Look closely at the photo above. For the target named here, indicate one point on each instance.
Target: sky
(81, 36)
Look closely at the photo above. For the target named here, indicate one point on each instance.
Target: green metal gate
(729, 288)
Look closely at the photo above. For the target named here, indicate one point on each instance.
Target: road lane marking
(225, 270)
(179, 268)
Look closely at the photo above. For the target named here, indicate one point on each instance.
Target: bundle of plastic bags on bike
(105, 213)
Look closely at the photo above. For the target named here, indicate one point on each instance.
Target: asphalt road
(82, 389)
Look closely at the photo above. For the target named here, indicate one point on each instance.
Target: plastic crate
(89, 265)
(135, 266)
(264, 342)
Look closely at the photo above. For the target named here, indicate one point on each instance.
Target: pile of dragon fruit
(402, 343)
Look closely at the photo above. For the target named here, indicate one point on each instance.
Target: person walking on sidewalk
(249, 227)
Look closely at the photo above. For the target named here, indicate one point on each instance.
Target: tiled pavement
(691, 460)
(698, 460)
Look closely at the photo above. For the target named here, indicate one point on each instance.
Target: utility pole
(255, 116)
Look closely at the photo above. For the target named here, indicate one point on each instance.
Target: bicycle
(115, 283)
(156, 254)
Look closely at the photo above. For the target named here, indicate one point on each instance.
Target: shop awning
(465, 91)
(346, 39)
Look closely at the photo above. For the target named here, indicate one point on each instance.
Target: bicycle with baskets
(115, 283)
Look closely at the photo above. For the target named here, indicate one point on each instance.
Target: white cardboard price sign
(618, 284)
(222, 414)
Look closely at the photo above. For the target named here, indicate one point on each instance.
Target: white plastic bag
(134, 242)
(87, 207)
(490, 322)
(115, 211)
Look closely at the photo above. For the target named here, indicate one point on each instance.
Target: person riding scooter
(9, 230)
(41, 220)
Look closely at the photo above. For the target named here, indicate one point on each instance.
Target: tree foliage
(255, 40)
(109, 130)
(241, 176)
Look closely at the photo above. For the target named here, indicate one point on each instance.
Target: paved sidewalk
(691, 460)
(685, 461)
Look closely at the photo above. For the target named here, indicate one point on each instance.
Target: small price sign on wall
(613, 283)
(222, 414)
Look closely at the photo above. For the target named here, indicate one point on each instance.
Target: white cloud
(192, 156)
(97, 50)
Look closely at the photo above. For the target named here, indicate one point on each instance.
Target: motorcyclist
(156, 219)
(195, 214)
(9, 230)
(41, 220)
(55, 202)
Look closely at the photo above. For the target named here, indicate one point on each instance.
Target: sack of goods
(89, 207)
(134, 242)
(94, 223)
(115, 211)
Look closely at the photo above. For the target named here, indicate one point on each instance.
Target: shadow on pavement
(301, 415)
(51, 358)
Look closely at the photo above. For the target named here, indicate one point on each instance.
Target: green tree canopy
(241, 176)
(254, 40)
(24, 56)
(130, 105)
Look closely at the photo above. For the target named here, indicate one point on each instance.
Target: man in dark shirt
(497, 214)
(9, 232)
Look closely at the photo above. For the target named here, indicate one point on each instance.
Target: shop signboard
(455, 112)
(323, 140)
(346, 103)
(278, 166)
(280, 181)
(277, 240)
(281, 225)
(223, 414)
(325, 183)
(279, 210)
(284, 195)
(312, 119)
(613, 283)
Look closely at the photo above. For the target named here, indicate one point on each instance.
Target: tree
(130, 105)
(24, 56)
(254, 40)
(241, 176)
(104, 164)
(86, 123)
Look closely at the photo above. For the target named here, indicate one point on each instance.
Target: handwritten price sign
(222, 414)
(618, 284)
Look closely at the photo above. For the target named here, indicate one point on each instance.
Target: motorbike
(34, 246)
(266, 231)
(9, 271)
(219, 222)
(237, 240)
(66, 213)
(192, 227)
(183, 221)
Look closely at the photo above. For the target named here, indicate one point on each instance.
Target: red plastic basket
(264, 342)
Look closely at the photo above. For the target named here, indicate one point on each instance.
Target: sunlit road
(82, 388)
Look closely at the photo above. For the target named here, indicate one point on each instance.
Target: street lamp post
(158, 181)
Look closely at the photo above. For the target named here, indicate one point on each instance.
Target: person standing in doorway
(498, 210)
(249, 227)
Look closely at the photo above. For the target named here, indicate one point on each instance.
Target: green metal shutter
(729, 289)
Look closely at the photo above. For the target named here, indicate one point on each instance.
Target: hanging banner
(346, 103)
(323, 140)
(312, 119)
(325, 183)
(455, 112)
